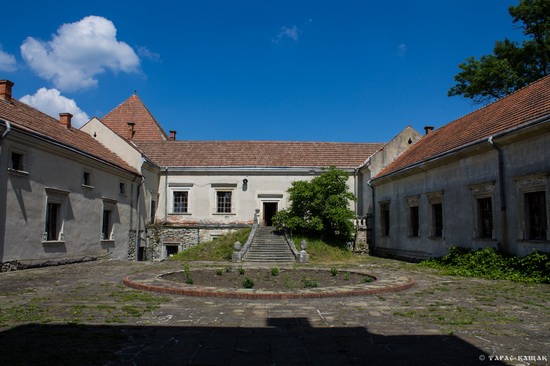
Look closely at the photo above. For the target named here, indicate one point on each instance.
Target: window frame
(543, 212)
(482, 191)
(413, 220)
(185, 192)
(538, 182)
(107, 233)
(55, 198)
(227, 205)
(436, 214)
(21, 168)
(385, 218)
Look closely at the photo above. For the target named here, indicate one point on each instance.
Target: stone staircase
(268, 246)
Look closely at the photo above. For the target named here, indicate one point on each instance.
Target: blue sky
(357, 71)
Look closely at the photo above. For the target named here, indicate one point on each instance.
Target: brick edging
(198, 291)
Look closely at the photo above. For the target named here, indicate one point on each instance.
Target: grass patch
(220, 249)
(490, 264)
(326, 252)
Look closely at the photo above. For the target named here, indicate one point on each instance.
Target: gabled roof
(257, 153)
(146, 127)
(25, 118)
(515, 110)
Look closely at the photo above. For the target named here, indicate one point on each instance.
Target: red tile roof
(21, 116)
(517, 109)
(146, 127)
(257, 153)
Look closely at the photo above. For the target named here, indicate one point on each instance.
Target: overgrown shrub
(489, 263)
(248, 283)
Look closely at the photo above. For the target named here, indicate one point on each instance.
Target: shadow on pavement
(284, 341)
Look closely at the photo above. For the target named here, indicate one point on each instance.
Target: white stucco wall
(52, 169)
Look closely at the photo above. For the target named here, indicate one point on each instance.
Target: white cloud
(7, 61)
(288, 32)
(51, 102)
(78, 52)
(147, 53)
(402, 50)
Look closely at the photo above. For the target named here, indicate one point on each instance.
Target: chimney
(65, 119)
(173, 135)
(131, 130)
(5, 90)
(428, 129)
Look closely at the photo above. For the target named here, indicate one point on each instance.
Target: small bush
(228, 269)
(310, 283)
(346, 276)
(333, 271)
(187, 273)
(219, 272)
(189, 281)
(368, 279)
(248, 283)
(275, 271)
(241, 271)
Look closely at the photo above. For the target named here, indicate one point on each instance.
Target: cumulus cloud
(7, 61)
(402, 50)
(51, 102)
(287, 32)
(78, 52)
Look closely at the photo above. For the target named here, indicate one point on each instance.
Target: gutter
(502, 189)
(6, 132)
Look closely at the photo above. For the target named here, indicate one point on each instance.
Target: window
(122, 188)
(414, 221)
(55, 214)
(86, 179)
(106, 226)
(436, 211)
(437, 220)
(485, 218)
(53, 222)
(414, 218)
(17, 161)
(180, 202)
(535, 215)
(385, 217)
(223, 202)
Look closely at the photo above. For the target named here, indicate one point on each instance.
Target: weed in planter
(241, 271)
(187, 272)
(228, 269)
(219, 272)
(333, 271)
(346, 276)
(368, 279)
(189, 281)
(275, 271)
(248, 283)
(310, 283)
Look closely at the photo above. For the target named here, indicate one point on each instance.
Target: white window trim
(59, 197)
(171, 200)
(224, 187)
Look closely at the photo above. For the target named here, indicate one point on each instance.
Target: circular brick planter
(156, 283)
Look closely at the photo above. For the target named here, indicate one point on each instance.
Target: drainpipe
(503, 218)
(355, 189)
(373, 232)
(165, 195)
(6, 132)
(138, 229)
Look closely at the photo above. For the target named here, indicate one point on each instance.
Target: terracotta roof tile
(24, 117)
(257, 153)
(517, 109)
(146, 127)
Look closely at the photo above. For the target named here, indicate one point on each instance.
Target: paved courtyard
(82, 314)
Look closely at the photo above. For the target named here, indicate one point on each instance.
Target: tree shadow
(284, 341)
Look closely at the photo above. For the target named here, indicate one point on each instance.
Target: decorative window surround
(385, 222)
(413, 216)
(436, 217)
(480, 193)
(538, 182)
(55, 213)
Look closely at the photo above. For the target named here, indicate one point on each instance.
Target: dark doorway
(270, 209)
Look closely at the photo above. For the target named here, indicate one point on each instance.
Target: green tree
(320, 206)
(511, 66)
